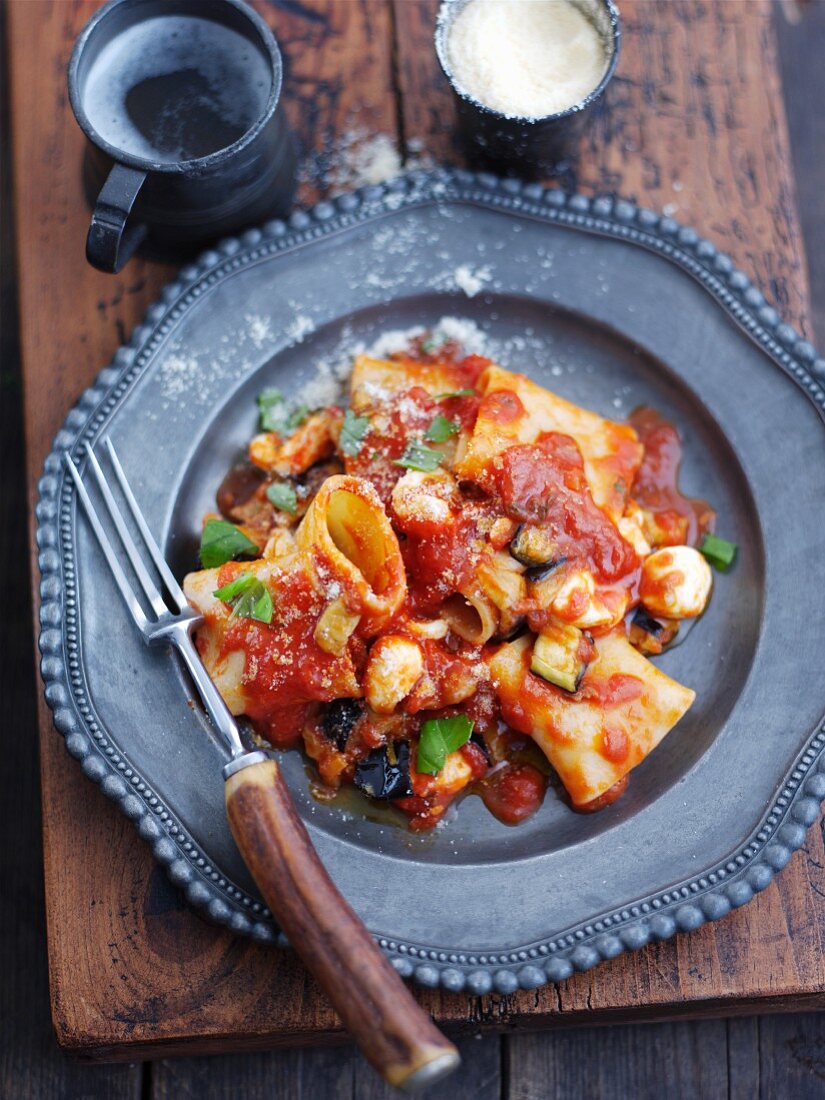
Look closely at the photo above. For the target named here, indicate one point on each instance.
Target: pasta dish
(454, 585)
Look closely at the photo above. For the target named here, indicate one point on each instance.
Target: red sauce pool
(656, 484)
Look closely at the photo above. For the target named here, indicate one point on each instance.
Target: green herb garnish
(297, 417)
(433, 343)
(454, 393)
(275, 413)
(222, 541)
(271, 408)
(419, 457)
(719, 552)
(283, 496)
(248, 597)
(440, 737)
(440, 429)
(353, 431)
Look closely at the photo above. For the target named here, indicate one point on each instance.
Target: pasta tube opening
(472, 617)
(346, 537)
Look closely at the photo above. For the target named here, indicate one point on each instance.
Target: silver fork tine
(172, 585)
(153, 594)
(107, 548)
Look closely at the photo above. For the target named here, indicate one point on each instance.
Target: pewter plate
(611, 306)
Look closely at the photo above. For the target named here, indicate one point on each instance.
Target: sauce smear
(656, 484)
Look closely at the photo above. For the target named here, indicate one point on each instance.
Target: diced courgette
(556, 656)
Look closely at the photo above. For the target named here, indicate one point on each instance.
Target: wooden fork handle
(390, 1027)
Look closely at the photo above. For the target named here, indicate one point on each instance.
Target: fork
(392, 1030)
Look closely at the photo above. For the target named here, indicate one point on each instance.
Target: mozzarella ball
(421, 501)
(631, 528)
(676, 583)
(576, 602)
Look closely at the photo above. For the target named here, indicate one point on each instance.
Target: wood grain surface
(693, 123)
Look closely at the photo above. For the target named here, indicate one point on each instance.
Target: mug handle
(110, 242)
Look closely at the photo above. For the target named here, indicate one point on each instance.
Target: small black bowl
(530, 146)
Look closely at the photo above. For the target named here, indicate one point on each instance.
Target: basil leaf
(271, 408)
(283, 496)
(440, 737)
(275, 414)
(235, 589)
(353, 431)
(419, 457)
(441, 429)
(222, 541)
(454, 393)
(297, 418)
(248, 597)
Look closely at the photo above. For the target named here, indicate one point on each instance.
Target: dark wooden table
(696, 120)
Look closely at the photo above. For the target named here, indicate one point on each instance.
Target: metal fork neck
(178, 634)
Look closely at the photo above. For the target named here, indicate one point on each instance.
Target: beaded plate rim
(709, 895)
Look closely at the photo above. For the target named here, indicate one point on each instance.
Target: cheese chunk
(394, 668)
(676, 583)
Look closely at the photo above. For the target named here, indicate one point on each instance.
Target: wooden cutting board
(693, 124)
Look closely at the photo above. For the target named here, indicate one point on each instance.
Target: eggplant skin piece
(533, 545)
(538, 572)
(652, 636)
(481, 745)
(648, 624)
(339, 720)
(382, 780)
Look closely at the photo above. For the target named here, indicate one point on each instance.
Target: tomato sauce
(610, 691)
(440, 564)
(544, 483)
(401, 418)
(513, 792)
(607, 799)
(285, 669)
(615, 745)
(427, 805)
(502, 407)
(656, 484)
(449, 677)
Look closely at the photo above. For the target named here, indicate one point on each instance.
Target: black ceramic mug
(187, 138)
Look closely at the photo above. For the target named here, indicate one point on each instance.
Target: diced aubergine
(339, 719)
(648, 623)
(557, 656)
(385, 773)
(481, 745)
(651, 635)
(533, 546)
(537, 573)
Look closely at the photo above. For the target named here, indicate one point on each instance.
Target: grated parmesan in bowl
(525, 58)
